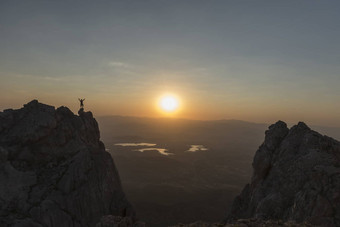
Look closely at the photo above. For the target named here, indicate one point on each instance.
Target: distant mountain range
(128, 122)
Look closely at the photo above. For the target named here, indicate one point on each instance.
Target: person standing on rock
(81, 103)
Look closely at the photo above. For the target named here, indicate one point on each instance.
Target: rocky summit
(54, 170)
(296, 177)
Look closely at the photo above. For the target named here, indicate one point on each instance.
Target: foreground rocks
(253, 222)
(54, 170)
(118, 221)
(296, 177)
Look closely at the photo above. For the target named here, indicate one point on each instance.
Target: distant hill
(132, 128)
(143, 125)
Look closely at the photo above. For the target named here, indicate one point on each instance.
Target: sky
(258, 61)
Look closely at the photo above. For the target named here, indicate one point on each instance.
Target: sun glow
(168, 103)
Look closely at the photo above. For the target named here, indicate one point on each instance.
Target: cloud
(31, 77)
(200, 69)
(119, 64)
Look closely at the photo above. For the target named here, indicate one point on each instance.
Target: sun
(169, 103)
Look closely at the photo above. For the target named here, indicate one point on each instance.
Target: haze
(258, 61)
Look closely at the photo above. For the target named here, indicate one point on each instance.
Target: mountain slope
(296, 177)
(54, 170)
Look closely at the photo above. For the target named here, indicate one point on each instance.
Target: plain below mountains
(184, 186)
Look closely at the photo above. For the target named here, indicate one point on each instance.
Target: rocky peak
(275, 134)
(54, 170)
(296, 177)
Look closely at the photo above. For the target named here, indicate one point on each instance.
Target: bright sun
(169, 103)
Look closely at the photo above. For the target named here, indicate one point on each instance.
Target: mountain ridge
(296, 176)
(322, 129)
(55, 170)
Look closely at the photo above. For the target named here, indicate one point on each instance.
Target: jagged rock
(296, 177)
(54, 170)
(117, 221)
(253, 222)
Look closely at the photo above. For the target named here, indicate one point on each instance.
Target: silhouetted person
(81, 103)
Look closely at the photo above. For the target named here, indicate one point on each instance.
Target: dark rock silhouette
(54, 170)
(251, 222)
(118, 221)
(296, 177)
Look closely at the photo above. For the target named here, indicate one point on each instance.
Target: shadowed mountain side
(296, 177)
(253, 222)
(55, 170)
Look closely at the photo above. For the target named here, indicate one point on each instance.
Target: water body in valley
(195, 148)
(162, 151)
(136, 144)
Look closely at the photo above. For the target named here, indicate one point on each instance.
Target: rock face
(54, 170)
(118, 221)
(252, 222)
(296, 177)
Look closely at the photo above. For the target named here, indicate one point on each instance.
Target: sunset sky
(258, 61)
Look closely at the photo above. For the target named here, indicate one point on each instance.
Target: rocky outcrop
(296, 177)
(118, 221)
(54, 170)
(252, 222)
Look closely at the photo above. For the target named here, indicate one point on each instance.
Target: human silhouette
(81, 102)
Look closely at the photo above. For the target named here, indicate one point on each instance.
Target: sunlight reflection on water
(136, 144)
(160, 150)
(195, 148)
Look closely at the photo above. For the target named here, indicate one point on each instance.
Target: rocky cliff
(54, 170)
(296, 177)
